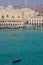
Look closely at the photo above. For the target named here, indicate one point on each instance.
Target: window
(35, 24)
(0, 24)
(2, 16)
(26, 22)
(32, 23)
(13, 21)
(9, 21)
(6, 24)
(39, 24)
(39, 20)
(32, 20)
(42, 24)
(18, 16)
(29, 23)
(20, 24)
(12, 16)
(15, 24)
(7, 15)
(42, 20)
(2, 21)
(11, 24)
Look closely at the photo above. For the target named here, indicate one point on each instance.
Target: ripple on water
(27, 45)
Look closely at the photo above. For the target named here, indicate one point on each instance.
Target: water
(27, 45)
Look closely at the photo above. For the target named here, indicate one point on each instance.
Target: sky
(30, 2)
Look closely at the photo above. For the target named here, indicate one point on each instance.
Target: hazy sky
(31, 2)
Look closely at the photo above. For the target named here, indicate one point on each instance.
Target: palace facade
(18, 17)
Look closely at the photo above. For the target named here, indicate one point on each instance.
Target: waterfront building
(11, 17)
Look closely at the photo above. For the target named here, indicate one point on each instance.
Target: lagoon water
(26, 45)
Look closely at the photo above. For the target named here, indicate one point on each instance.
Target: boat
(18, 60)
(24, 27)
(14, 35)
(35, 27)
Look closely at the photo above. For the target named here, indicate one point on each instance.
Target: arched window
(42, 20)
(11, 24)
(27, 22)
(7, 15)
(32, 23)
(9, 21)
(39, 24)
(12, 16)
(2, 16)
(18, 16)
(42, 24)
(32, 20)
(37, 20)
(0, 24)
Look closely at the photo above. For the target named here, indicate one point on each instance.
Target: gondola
(15, 61)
